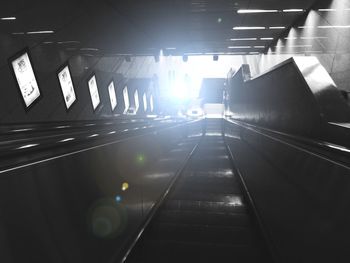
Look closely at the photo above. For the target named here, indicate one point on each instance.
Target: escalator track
(205, 218)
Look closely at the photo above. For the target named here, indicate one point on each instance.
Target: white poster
(126, 99)
(26, 79)
(95, 97)
(144, 102)
(67, 86)
(112, 96)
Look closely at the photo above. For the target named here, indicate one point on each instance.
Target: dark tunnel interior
(163, 131)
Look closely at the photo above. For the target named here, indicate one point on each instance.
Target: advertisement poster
(67, 86)
(95, 98)
(126, 99)
(145, 102)
(26, 79)
(151, 103)
(137, 102)
(112, 96)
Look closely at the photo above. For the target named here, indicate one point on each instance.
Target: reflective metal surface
(297, 96)
(301, 195)
(86, 206)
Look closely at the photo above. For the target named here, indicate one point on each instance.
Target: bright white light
(151, 103)
(249, 28)
(259, 46)
(137, 102)
(93, 135)
(313, 37)
(22, 130)
(239, 47)
(144, 102)
(243, 39)
(277, 27)
(327, 10)
(325, 27)
(112, 132)
(293, 10)
(266, 38)
(126, 99)
(341, 148)
(40, 32)
(8, 18)
(27, 146)
(67, 140)
(255, 11)
(89, 49)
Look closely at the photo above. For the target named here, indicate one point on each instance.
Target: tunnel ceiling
(111, 27)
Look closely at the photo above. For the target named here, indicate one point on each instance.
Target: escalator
(206, 217)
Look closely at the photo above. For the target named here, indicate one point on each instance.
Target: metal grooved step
(205, 218)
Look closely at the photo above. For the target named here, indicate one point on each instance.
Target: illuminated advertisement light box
(95, 97)
(67, 86)
(112, 96)
(151, 103)
(137, 102)
(145, 102)
(126, 99)
(25, 77)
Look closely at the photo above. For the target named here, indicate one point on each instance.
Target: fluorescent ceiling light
(254, 53)
(266, 38)
(334, 26)
(255, 11)
(294, 46)
(236, 53)
(27, 146)
(327, 10)
(293, 10)
(67, 140)
(170, 48)
(237, 47)
(243, 39)
(313, 37)
(8, 18)
(259, 46)
(248, 28)
(277, 27)
(40, 32)
(89, 49)
(290, 38)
